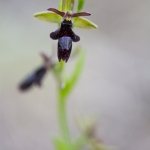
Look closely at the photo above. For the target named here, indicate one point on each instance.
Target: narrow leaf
(75, 75)
(48, 17)
(80, 5)
(84, 23)
(77, 69)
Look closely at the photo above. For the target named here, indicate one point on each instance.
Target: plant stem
(62, 117)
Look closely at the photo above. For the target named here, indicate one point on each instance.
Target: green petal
(67, 5)
(48, 17)
(84, 23)
(80, 5)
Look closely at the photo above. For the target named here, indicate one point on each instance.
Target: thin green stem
(62, 117)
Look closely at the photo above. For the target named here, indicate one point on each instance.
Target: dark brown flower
(34, 79)
(64, 34)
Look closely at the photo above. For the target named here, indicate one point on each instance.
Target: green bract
(67, 5)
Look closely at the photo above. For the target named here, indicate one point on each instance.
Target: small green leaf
(48, 17)
(80, 5)
(67, 5)
(84, 23)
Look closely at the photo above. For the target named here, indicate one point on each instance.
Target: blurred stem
(62, 117)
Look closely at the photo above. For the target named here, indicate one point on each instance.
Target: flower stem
(62, 117)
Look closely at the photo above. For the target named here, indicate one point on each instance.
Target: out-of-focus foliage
(80, 5)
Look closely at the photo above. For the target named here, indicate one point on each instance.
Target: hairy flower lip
(64, 48)
(64, 55)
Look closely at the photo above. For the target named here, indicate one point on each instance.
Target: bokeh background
(114, 86)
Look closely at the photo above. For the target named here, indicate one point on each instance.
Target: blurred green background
(114, 86)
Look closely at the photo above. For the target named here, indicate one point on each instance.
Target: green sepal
(80, 5)
(48, 17)
(84, 23)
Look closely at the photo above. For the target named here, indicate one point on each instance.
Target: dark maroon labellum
(64, 48)
(65, 36)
